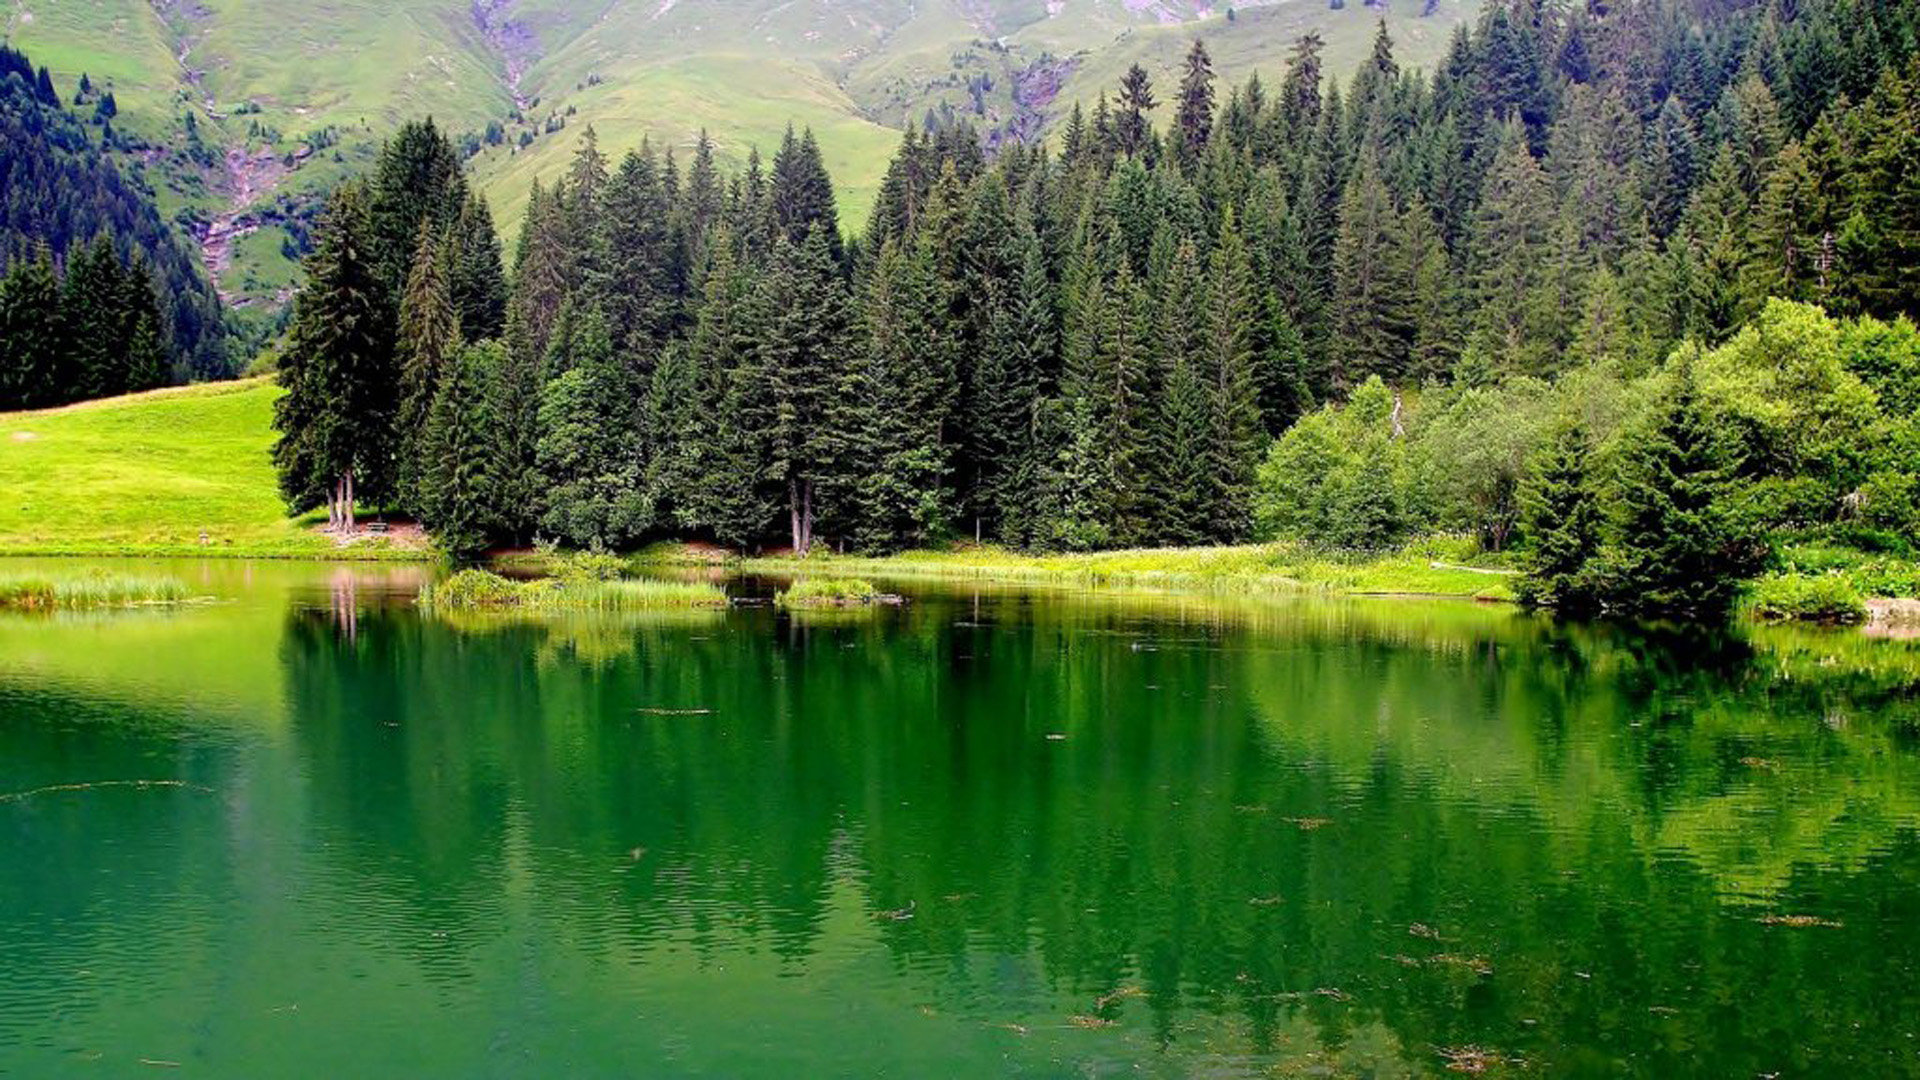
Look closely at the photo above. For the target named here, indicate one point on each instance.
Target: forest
(98, 295)
(1624, 290)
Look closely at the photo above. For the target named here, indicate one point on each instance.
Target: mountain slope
(248, 109)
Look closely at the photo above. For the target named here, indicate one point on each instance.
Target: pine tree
(1561, 516)
(336, 418)
(458, 479)
(589, 450)
(1193, 122)
(476, 283)
(541, 273)
(1372, 329)
(90, 306)
(417, 178)
(1131, 127)
(513, 403)
(1236, 435)
(429, 339)
(33, 345)
(801, 195)
(1678, 548)
(803, 344)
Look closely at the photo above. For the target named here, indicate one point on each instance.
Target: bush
(1820, 598)
(827, 592)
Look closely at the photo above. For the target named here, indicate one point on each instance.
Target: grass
(183, 471)
(1432, 567)
(87, 592)
(828, 592)
(480, 590)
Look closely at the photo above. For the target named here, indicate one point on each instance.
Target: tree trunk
(793, 514)
(346, 504)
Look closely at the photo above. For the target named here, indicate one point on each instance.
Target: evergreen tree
(336, 418)
(1678, 547)
(1561, 516)
(141, 328)
(1372, 330)
(1236, 435)
(1193, 123)
(805, 335)
(476, 283)
(458, 479)
(95, 364)
(1131, 127)
(589, 450)
(1515, 325)
(429, 339)
(417, 178)
(801, 195)
(33, 344)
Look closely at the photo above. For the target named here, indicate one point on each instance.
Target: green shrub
(589, 566)
(1821, 598)
(827, 592)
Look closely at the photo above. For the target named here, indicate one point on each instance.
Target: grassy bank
(1434, 567)
(182, 471)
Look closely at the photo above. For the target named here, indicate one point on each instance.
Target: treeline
(60, 191)
(95, 334)
(1095, 346)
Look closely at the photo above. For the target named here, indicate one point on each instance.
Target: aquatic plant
(98, 589)
(829, 592)
(471, 590)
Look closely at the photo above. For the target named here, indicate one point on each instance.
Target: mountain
(242, 112)
(61, 187)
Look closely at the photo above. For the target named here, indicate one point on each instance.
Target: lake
(308, 831)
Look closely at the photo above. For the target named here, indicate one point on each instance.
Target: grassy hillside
(183, 471)
(251, 109)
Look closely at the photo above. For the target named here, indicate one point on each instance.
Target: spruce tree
(458, 480)
(429, 338)
(1678, 547)
(1372, 327)
(802, 345)
(90, 306)
(1561, 517)
(147, 364)
(589, 450)
(336, 418)
(476, 283)
(1236, 434)
(417, 178)
(1193, 122)
(1132, 127)
(32, 338)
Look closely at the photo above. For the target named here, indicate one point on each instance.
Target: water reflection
(992, 832)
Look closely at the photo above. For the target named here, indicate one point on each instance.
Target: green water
(988, 833)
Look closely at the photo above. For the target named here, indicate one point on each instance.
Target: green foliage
(827, 592)
(1819, 598)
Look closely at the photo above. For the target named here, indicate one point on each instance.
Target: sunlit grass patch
(829, 592)
(84, 592)
(479, 590)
